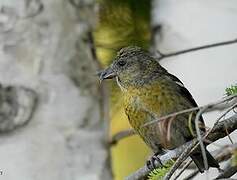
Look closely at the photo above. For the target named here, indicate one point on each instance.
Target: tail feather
(198, 160)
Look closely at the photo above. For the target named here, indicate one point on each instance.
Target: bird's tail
(198, 160)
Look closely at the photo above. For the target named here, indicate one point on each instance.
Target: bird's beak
(107, 74)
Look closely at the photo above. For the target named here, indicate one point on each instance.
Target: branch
(220, 157)
(121, 135)
(162, 56)
(217, 132)
(199, 136)
(219, 105)
(184, 154)
(183, 169)
(192, 175)
(216, 106)
(228, 171)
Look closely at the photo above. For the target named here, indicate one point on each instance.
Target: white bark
(64, 138)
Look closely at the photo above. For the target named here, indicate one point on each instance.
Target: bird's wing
(184, 92)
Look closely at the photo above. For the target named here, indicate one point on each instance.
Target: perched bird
(151, 92)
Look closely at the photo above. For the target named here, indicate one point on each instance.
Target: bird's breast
(146, 105)
(136, 115)
(135, 103)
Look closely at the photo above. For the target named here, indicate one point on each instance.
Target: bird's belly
(151, 134)
(166, 134)
(137, 118)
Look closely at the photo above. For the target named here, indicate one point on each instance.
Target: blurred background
(56, 120)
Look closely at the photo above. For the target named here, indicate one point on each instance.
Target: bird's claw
(154, 162)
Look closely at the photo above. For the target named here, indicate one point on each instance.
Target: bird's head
(132, 66)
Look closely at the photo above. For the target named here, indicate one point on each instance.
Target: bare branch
(122, 134)
(220, 156)
(199, 137)
(227, 153)
(183, 169)
(228, 102)
(218, 132)
(192, 175)
(181, 159)
(228, 172)
(188, 150)
(216, 106)
(162, 55)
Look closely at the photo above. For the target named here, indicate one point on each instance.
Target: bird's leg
(154, 161)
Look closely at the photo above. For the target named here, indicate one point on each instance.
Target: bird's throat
(120, 84)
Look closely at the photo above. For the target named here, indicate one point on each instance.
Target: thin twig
(228, 135)
(130, 132)
(190, 149)
(210, 107)
(183, 169)
(218, 105)
(223, 115)
(217, 121)
(162, 55)
(227, 153)
(184, 156)
(217, 154)
(180, 159)
(220, 156)
(217, 133)
(213, 143)
(121, 135)
(192, 175)
(228, 172)
(220, 130)
(172, 154)
(199, 137)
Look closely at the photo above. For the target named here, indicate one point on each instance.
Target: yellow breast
(149, 102)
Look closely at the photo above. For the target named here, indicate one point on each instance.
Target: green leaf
(232, 90)
(159, 173)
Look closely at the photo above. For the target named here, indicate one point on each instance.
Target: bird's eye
(121, 63)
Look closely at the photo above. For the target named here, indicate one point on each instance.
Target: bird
(150, 92)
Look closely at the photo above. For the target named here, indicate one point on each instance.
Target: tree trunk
(50, 91)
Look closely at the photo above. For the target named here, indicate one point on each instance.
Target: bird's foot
(153, 162)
